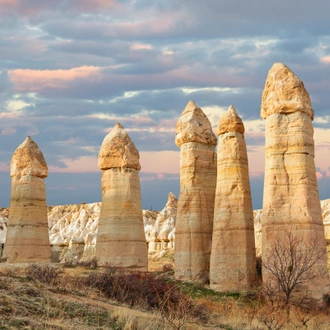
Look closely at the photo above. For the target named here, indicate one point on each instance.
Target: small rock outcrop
(233, 256)
(120, 237)
(27, 239)
(291, 200)
(195, 138)
(161, 235)
(72, 231)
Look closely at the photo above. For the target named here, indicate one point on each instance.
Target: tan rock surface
(27, 237)
(120, 236)
(118, 151)
(194, 225)
(233, 257)
(291, 199)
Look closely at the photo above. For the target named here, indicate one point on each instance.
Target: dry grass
(60, 299)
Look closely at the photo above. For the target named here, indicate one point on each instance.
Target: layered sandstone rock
(233, 258)
(291, 201)
(120, 236)
(27, 232)
(194, 225)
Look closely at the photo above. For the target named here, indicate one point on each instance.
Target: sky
(71, 69)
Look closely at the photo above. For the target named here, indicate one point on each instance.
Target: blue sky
(71, 69)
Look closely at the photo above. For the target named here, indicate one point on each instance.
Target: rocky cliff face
(72, 229)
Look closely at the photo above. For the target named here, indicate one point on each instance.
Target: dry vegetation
(85, 297)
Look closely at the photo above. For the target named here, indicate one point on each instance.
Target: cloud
(71, 69)
(27, 80)
(8, 131)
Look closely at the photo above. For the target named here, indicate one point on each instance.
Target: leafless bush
(291, 263)
(148, 292)
(44, 274)
(167, 268)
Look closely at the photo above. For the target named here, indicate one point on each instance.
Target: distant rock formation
(77, 223)
(291, 199)
(120, 237)
(161, 235)
(194, 225)
(27, 239)
(72, 231)
(233, 256)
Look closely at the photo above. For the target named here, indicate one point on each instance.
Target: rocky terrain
(72, 229)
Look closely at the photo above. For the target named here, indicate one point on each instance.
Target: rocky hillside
(72, 229)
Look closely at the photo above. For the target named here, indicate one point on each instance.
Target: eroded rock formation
(27, 239)
(233, 258)
(291, 200)
(161, 235)
(194, 225)
(120, 236)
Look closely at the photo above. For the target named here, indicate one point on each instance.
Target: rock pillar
(194, 224)
(27, 238)
(233, 258)
(120, 238)
(291, 200)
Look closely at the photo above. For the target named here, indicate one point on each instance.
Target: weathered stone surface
(120, 236)
(194, 126)
(194, 225)
(291, 199)
(161, 235)
(72, 231)
(284, 93)
(233, 258)
(118, 151)
(27, 237)
(80, 221)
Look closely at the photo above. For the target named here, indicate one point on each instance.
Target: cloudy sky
(71, 69)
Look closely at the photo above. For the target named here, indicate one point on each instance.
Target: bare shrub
(292, 263)
(148, 292)
(167, 268)
(44, 274)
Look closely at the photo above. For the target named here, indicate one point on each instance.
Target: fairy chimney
(291, 199)
(194, 224)
(120, 237)
(27, 238)
(233, 258)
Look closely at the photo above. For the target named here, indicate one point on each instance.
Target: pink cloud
(72, 140)
(79, 165)
(8, 131)
(167, 125)
(138, 46)
(34, 8)
(160, 161)
(319, 175)
(4, 167)
(325, 59)
(28, 80)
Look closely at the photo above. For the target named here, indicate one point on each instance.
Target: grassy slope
(28, 304)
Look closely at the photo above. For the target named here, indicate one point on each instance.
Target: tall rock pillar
(27, 238)
(233, 258)
(194, 223)
(291, 200)
(120, 236)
